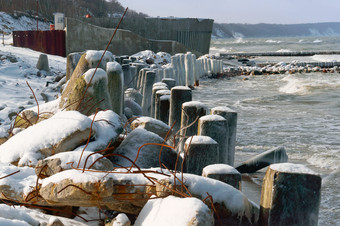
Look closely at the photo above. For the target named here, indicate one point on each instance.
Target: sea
(300, 112)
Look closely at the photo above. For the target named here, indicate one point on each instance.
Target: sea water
(298, 111)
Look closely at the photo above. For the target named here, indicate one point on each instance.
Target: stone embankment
(127, 138)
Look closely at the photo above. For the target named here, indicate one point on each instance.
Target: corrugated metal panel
(50, 42)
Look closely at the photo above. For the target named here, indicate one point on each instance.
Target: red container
(51, 27)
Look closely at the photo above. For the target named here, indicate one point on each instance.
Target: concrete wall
(82, 36)
(194, 33)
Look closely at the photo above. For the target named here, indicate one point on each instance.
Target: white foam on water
(293, 86)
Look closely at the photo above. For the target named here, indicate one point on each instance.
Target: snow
(114, 66)
(99, 75)
(41, 136)
(24, 180)
(16, 216)
(212, 118)
(171, 211)
(9, 24)
(161, 58)
(181, 88)
(220, 169)
(93, 57)
(197, 104)
(292, 168)
(225, 109)
(157, 123)
(200, 140)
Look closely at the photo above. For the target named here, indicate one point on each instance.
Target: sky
(242, 11)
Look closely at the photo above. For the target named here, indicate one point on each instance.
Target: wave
(273, 41)
(317, 41)
(305, 85)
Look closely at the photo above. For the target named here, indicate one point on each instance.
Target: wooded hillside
(71, 8)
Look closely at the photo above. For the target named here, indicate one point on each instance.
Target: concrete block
(290, 196)
(224, 173)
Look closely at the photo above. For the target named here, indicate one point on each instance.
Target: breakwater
(279, 54)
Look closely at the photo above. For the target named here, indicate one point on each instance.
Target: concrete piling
(170, 82)
(191, 112)
(276, 155)
(189, 73)
(127, 75)
(224, 173)
(42, 63)
(116, 86)
(179, 95)
(147, 92)
(159, 94)
(71, 64)
(156, 87)
(231, 117)
(135, 95)
(215, 127)
(164, 108)
(290, 196)
(200, 151)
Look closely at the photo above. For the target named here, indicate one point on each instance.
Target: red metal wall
(50, 42)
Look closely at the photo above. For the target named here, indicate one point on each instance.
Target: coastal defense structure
(193, 33)
(170, 35)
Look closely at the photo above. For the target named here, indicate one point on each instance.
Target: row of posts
(204, 139)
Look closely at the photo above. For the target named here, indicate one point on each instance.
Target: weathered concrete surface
(194, 33)
(223, 173)
(290, 195)
(82, 36)
(276, 155)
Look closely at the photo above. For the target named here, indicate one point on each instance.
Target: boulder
(61, 133)
(26, 119)
(153, 125)
(232, 206)
(175, 211)
(60, 162)
(148, 155)
(135, 108)
(121, 192)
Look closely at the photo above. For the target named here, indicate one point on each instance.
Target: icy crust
(77, 176)
(114, 66)
(24, 180)
(200, 140)
(181, 88)
(220, 169)
(72, 157)
(163, 92)
(162, 211)
(165, 97)
(99, 75)
(155, 122)
(222, 193)
(197, 104)
(226, 109)
(26, 144)
(292, 168)
(212, 118)
(16, 216)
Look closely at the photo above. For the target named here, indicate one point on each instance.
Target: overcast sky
(242, 11)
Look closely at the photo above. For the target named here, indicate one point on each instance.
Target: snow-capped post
(189, 73)
(170, 82)
(181, 73)
(231, 117)
(200, 151)
(175, 64)
(215, 127)
(147, 92)
(71, 64)
(179, 95)
(158, 113)
(156, 87)
(224, 173)
(140, 79)
(191, 112)
(127, 75)
(116, 86)
(135, 78)
(43, 63)
(164, 107)
(290, 195)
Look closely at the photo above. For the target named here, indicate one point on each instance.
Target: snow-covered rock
(146, 156)
(153, 125)
(175, 211)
